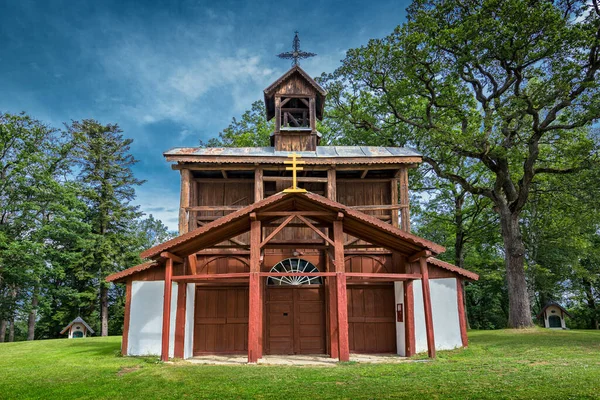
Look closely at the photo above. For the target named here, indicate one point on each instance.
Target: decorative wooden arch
(215, 258)
(374, 258)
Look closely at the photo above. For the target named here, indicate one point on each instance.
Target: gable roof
(296, 68)
(451, 267)
(118, 276)
(356, 223)
(77, 320)
(270, 92)
(552, 303)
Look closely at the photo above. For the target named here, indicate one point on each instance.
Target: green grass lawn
(498, 364)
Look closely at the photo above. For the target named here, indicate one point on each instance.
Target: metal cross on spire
(296, 54)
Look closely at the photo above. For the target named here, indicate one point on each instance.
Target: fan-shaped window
(294, 265)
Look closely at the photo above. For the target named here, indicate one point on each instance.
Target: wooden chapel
(331, 269)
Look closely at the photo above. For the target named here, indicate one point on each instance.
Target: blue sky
(170, 73)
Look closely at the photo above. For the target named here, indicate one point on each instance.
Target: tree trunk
(519, 311)
(591, 303)
(11, 331)
(3, 325)
(459, 244)
(32, 315)
(104, 309)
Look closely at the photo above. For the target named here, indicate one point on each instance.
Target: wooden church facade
(260, 270)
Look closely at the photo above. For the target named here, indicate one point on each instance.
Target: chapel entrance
(371, 318)
(221, 320)
(295, 311)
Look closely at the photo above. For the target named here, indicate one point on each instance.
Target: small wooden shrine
(77, 328)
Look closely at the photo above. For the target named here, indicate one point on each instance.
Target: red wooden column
(126, 317)
(332, 313)
(255, 293)
(340, 283)
(180, 320)
(462, 316)
(427, 307)
(409, 319)
(164, 354)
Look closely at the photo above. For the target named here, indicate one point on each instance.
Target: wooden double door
(295, 320)
(221, 320)
(371, 318)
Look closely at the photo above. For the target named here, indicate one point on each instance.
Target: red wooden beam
(126, 317)
(427, 306)
(318, 232)
(197, 277)
(254, 317)
(342, 317)
(409, 319)
(278, 274)
(333, 326)
(180, 320)
(419, 255)
(382, 277)
(462, 316)
(341, 296)
(277, 230)
(164, 354)
(254, 293)
(193, 264)
(288, 213)
(166, 254)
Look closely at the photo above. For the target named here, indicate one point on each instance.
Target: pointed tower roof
(270, 91)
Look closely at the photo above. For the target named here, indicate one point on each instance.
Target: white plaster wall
(188, 347)
(146, 315)
(400, 332)
(74, 329)
(557, 313)
(444, 305)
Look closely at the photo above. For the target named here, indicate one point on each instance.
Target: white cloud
(161, 203)
(175, 77)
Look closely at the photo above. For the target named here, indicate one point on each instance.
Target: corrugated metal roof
(118, 276)
(321, 152)
(453, 268)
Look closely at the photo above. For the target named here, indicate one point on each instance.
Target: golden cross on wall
(294, 168)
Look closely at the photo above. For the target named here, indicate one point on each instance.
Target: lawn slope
(498, 364)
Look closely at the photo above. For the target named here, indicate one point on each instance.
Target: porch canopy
(310, 205)
(314, 212)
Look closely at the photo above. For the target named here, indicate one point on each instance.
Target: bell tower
(296, 101)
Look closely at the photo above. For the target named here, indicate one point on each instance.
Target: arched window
(77, 334)
(294, 265)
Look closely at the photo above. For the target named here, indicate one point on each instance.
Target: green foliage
(495, 94)
(66, 222)
(251, 130)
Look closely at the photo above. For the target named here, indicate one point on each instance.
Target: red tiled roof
(451, 267)
(356, 223)
(118, 276)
